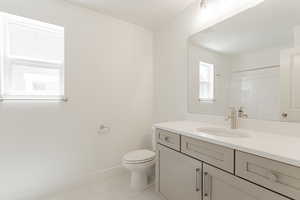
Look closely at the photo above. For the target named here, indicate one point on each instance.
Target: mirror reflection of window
(206, 84)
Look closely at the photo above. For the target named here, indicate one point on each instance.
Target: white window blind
(206, 82)
(31, 59)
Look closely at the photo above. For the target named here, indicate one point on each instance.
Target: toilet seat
(139, 156)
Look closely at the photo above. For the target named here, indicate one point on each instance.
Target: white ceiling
(268, 25)
(147, 13)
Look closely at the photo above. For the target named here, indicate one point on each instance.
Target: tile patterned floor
(114, 188)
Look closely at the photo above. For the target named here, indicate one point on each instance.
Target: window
(31, 59)
(206, 81)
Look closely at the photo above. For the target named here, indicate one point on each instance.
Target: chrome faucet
(233, 117)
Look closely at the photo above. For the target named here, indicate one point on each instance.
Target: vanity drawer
(169, 139)
(276, 176)
(216, 155)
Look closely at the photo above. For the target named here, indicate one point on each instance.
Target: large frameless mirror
(250, 61)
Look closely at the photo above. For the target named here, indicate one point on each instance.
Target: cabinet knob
(284, 115)
(272, 177)
(167, 139)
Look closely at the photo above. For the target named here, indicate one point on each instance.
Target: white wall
(222, 64)
(44, 146)
(297, 36)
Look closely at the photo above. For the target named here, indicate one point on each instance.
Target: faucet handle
(242, 113)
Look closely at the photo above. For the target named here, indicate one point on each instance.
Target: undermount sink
(222, 132)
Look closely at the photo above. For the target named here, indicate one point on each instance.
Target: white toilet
(141, 164)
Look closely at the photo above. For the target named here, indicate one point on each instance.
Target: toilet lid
(139, 156)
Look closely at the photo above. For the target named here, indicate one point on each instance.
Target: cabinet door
(290, 85)
(180, 177)
(219, 185)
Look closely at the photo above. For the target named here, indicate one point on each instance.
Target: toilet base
(139, 181)
(140, 175)
(141, 170)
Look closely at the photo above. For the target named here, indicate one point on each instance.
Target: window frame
(209, 83)
(7, 60)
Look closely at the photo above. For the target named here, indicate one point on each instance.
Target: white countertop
(278, 147)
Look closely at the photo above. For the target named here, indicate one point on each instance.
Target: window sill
(207, 100)
(63, 99)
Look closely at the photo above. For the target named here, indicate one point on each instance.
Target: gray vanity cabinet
(192, 169)
(180, 177)
(219, 185)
